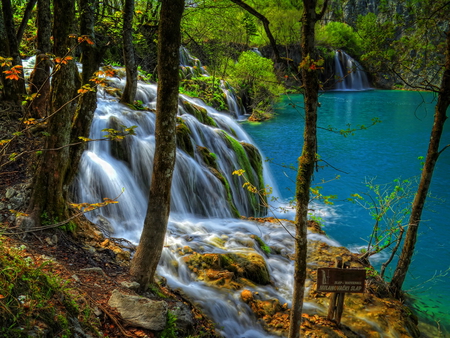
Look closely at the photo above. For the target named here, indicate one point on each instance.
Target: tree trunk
(25, 18)
(14, 89)
(91, 58)
(129, 92)
(307, 160)
(265, 23)
(440, 116)
(48, 199)
(39, 82)
(151, 243)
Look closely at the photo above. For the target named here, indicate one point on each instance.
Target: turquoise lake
(384, 152)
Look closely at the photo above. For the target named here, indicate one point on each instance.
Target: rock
(140, 311)
(95, 269)
(10, 192)
(105, 225)
(25, 222)
(130, 285)
(185, 321)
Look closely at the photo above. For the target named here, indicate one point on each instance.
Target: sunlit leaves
(85, 38)
(63, 60)
(14, 73)
(86, 207)
(119, 135)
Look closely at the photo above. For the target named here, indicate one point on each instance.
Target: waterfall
(349, 74)
(191, 67)
(202, 207)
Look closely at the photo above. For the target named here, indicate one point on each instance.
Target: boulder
(140, 311)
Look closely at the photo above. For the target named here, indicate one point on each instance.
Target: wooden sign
(341, 280)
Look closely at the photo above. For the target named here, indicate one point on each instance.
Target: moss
(255, 159)
(249, 160)
(207, 157)
(184, 138)
(210, 160)
(250, 266)
(263, 246)
(200, 113)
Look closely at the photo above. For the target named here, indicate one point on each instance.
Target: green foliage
(339, 35)
(206, 88)
(32, 297)
(376, 40)
(389, 205)
(254, 75)
(319, 220)
(170, 331)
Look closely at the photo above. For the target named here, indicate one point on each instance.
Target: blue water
(385, 151)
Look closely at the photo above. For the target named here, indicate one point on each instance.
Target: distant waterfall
(349, 74)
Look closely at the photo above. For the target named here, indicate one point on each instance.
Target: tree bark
(14, 89)
(129, 92)
(91, 58)
(151, 243)
(49, 193)
(440, 116)
(265, 23)
(307, 160)
(39, 82)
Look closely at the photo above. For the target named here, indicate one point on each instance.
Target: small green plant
(263, 246)
(319, 220)
(154, 288)
(170, 331)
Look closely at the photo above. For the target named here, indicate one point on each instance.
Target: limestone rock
(140, 311)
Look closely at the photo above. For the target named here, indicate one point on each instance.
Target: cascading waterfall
(191, 67)
(349, 73)
(205, 196)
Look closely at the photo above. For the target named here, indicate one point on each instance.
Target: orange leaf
(12, 77)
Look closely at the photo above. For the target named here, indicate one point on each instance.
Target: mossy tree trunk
(129, 92)
(49, 193)
(307, 160)
(39, 82)
(151, 243)
(440, 116)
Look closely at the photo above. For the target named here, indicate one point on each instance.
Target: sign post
(340, 280)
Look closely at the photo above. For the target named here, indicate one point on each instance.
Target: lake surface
(384, 152)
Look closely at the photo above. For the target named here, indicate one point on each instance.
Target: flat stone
(140, 311)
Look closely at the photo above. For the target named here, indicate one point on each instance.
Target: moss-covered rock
(230, 268)
(184, 141)
(200, 113)
(209, 159)
(249, 159)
